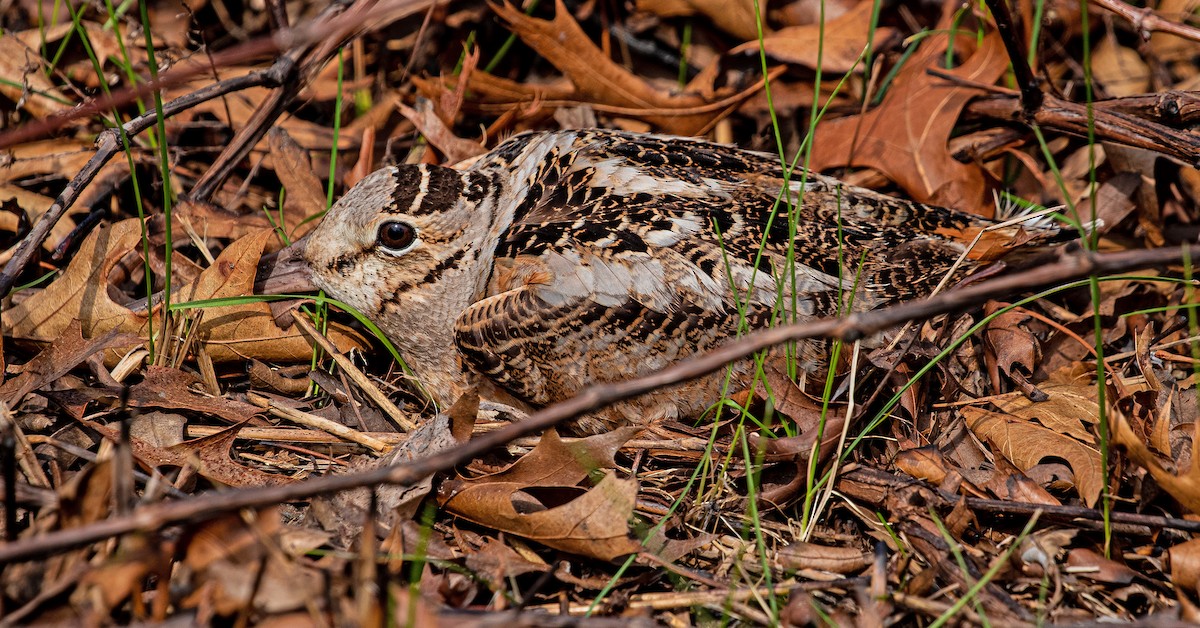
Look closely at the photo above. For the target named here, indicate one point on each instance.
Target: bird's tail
(990, 240)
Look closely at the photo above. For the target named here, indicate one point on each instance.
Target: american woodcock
(567, 258)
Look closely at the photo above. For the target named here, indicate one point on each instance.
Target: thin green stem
(164, 164)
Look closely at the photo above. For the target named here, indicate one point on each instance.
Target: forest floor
(1024, 461)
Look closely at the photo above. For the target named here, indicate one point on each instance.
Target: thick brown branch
(1069, 267)
(1176, 108)
(1110, 125)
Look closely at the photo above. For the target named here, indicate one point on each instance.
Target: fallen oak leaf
(592, 523)
(1026, 445)
(1184, 487)
(597, 78)
(455, 148)
(1068, 409)
(555, 462)
(513, 500)
(209, 455)
(227, 333)
(170, 389)
(25, 83)
(736, 17)
(161, 388)
(906, 136)
(304, 197)
(1012, 348)
(69, 351)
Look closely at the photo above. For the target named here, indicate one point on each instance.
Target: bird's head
(400, 238)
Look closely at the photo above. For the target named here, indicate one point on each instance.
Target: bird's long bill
(284, 272)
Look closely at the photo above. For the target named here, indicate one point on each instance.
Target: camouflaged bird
(562, 259)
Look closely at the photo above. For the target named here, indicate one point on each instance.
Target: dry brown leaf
(790, 400)
(80, 293)
(104, 43)
(344, 512)
(503, 500)
(1185, 565)
(485, 88)
(304, 197)
(1025, 444)
(736, 17)
(1010, 483)
(69, 351)
(1011, 343)
(123, 576)
(1069, 410)
(924, 463)
(32, 205)
(555, 462)
(207, 218)
(592, 523)
(21, 64)
(597, 78)
(1121, 70)
(845, 40)
(170, 389)
(231, 570)
(209, 455)
(1184, 487)
(1094, 566)
(1168, 47)
(840, 560)
(495, 562)
(450, 104)
(432, 127)
(53, 157)
(906, 136)
(234, 110)
(87, 496)
(227, 333)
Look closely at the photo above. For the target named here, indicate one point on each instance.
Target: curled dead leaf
(227, 333)
(1184, 487)
(597, 79)
(841, 560)
(592, 522)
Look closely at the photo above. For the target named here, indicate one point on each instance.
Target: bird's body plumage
(567, 258)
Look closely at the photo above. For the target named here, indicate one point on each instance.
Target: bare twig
(1069, 267)
(1146, 21)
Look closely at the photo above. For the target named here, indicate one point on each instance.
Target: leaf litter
(781, 511)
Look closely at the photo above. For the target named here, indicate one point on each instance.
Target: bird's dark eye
(396, 236)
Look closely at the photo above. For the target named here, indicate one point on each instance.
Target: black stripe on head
(435, 273)
(407, 186)
(342, 264)
(444, 189)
